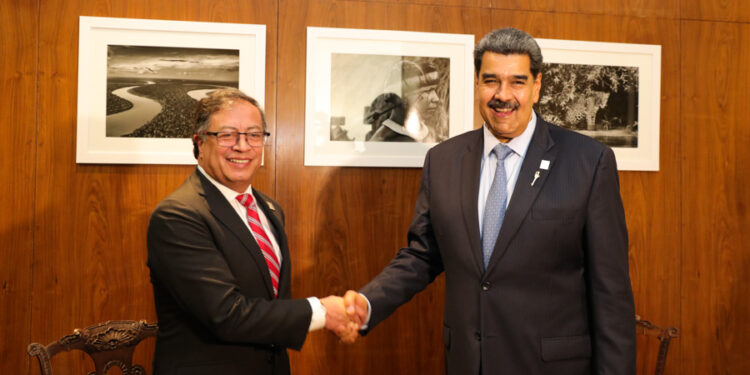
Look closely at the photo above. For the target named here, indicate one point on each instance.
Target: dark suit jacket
(556, 296)
(213, 292)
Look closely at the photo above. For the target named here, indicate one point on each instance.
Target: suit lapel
(540, 148)
(471, 162)
(223, 212)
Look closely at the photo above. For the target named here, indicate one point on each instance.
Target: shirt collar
(519, 144)
(228, 193)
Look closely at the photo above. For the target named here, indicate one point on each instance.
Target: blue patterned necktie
(494, 207)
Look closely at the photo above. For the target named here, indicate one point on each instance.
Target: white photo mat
(96, 33)
(322, 43)
(647, 58)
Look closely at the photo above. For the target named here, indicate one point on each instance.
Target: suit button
(478, 336)
(486, 286)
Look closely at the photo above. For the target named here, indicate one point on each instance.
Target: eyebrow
(515, 76)
(251, 127)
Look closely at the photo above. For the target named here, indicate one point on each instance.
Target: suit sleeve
(414, 267)
(186, 264)
(610, 295)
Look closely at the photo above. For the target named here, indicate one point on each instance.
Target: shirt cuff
(369, 314)
(318, 319)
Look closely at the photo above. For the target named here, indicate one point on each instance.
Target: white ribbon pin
(543, 165)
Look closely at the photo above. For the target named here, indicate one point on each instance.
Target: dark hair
(216, 101)
(509, 41)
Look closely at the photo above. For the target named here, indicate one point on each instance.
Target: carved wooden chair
(109, 344)
(663, 334)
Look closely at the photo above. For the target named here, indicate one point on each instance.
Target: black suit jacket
(213, 292)
(556, 295)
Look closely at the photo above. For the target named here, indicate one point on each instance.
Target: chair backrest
(664, 335)
(109, 344)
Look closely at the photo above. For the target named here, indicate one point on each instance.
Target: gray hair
(216, 101)
(509, 41)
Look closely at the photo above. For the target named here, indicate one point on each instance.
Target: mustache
(497, 104)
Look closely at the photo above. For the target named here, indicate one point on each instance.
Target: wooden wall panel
(74, 236)
(459, 3)
(715, 181)
(639, 8)
(345, 224)
(19, 22)
(91, 219)
(708, 10)
(650, 199)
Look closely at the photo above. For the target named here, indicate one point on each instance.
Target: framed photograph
(383, 98)
(608, 91)
(139, 81)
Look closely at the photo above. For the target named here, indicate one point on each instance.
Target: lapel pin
(536, 176)
(544, 165)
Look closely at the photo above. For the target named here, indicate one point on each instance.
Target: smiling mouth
(502, 110)
(502, 107)
(239, 161)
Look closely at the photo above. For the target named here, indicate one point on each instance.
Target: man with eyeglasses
(219, 258)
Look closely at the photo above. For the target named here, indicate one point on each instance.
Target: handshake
(345, 315)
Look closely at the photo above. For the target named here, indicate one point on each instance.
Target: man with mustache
(525, 219)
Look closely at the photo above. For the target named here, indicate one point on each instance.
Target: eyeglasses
(229, 138)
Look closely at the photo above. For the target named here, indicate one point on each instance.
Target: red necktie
(262, 238)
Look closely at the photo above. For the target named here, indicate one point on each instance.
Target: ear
(537, 87)
(476, 87)
(198, 140)
(197, 145)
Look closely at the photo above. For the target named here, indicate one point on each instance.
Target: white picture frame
(361, 74)
(646, 59)
(96, 34)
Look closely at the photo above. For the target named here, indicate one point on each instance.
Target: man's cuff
(369, 313)
(318, 320)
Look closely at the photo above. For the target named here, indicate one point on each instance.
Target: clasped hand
(345, 315)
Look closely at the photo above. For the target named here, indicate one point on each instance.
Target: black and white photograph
(595, 100)
(383, 98)
(386, 98)
(607, 91)
(153, 91)
(139, 81)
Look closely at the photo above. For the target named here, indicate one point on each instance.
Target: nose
(433, 98)
(503, 92)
